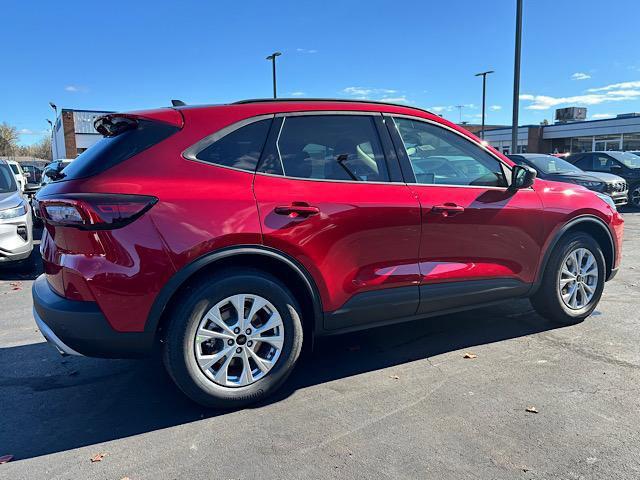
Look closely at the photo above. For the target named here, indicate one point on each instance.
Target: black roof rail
(345, 100)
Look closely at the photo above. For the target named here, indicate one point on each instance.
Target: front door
(327, 198)
(480, 240)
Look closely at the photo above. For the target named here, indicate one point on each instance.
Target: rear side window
(585, 163)
(112, 150)
(240, 148)
(331, 147)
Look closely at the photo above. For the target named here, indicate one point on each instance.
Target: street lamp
(55, 108)
(516, 78)
(53, 152)
(484, 95)
(272, 57)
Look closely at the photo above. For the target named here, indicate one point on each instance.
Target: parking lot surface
(396, 402)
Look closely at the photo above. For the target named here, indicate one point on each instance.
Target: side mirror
(522, 176)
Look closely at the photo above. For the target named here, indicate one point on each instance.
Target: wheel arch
(286, 269)
(590, 224)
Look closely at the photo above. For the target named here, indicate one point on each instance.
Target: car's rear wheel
(233, 340)
(573, 280)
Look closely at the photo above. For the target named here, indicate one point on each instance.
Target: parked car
(16, 241)
(21, 177)
(228, 236)
(623, 164)
(551, 167)
(50, 172)
(34, 179)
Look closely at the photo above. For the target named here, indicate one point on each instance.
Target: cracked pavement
(395, 402)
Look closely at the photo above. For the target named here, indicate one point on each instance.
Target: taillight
(98, 211)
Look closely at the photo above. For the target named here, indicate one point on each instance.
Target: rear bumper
(80, 328)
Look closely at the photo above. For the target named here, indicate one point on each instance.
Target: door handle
(298, 208)
(447, 209)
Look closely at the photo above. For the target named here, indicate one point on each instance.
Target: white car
(16, 240)
(21, 176)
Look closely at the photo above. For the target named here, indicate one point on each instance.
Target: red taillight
(94, 211)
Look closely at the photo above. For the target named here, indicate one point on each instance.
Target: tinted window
(110, 151)
(14, 167)
(7, 180)
(240, 148)
(550, 164)
(439, 156)
(628, 159)
(603, 163)
(585, 162)
(331, 147)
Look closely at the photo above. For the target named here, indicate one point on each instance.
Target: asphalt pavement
(395, 402)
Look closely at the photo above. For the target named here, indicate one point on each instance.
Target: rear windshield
(14, 167)
(7, 180)
(110, 151)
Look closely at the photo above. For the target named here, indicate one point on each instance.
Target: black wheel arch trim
(560, 233)
(185, 273)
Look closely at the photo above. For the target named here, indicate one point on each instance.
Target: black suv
(553, 168)
(623, 164)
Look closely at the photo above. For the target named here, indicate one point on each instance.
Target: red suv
(229, 235)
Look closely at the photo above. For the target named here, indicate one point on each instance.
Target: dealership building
(73, 132)
(571, 134)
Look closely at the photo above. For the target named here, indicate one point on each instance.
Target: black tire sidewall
(181, 358)
(556, 307)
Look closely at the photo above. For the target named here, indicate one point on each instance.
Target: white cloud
(75, 88)
(449, 108)
(366, 91)
(400, 99)
(544, 102)
(298, 94)
(580, 76)
(495, 108)
(616, 86)
(306, 50)
(597, 116)
(28, 131)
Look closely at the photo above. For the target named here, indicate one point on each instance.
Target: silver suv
(16, 239)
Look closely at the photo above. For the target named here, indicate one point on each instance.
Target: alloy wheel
(239, 340)
(634, 196)
(578, 278)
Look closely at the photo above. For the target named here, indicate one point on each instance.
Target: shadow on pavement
(52, 404)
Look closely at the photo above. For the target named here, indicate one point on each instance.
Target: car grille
(616, 187)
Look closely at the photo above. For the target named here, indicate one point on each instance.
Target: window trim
(190, 153)
(404, 161)
(358, 113)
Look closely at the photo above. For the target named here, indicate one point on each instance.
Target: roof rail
(345, 100)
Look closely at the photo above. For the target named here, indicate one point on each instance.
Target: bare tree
(41, 149)
(8, 139)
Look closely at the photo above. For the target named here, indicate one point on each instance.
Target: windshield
(7, 180)
(628, 159)
(552, 165)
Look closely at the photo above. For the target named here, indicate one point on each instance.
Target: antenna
(460, 107)
(177, 103)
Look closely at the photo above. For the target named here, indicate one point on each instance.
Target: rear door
(480, 240)
(330, 195)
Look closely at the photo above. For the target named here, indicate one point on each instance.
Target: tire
(634, 195)
(548, 301)
(181, 346)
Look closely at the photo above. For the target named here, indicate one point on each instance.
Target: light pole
(55, 108)
(484, 96)
(272, 57)
(459, 107)
(53, 153)
(516, 78)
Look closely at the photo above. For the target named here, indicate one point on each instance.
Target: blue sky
(126, 55)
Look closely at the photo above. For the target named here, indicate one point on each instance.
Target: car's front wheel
(634, 196)
(573, 280)
(233, 340)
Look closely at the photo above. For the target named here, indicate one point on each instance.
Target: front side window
(603, 163)
(441, 157)
(7, 180)
(331, 147)
(240, 148)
